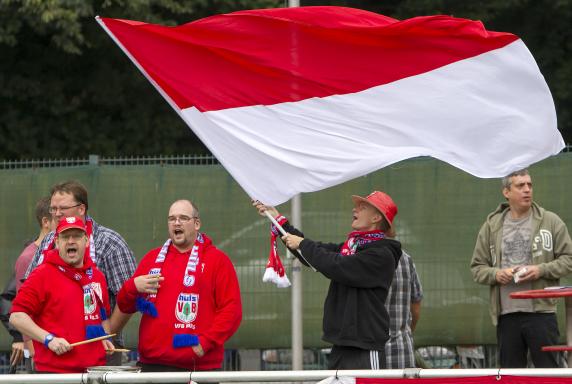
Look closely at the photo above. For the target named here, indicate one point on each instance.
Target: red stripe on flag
(271, 56)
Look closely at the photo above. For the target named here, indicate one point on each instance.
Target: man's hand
(148, 283)
(292, 241)
(504, 276)
(532, 273)
(108, 346)
(29, 346)
(198, 350)
(261, 208)
(59, 346)
(17, 353)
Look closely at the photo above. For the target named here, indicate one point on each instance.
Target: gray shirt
(516, 251)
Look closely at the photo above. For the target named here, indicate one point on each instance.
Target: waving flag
(295, 100)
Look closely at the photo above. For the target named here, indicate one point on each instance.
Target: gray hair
(507, 180)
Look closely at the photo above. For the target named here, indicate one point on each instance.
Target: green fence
(440, 212)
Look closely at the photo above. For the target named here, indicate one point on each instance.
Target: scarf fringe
(185, 340)
(282, 281)
(271, 276)
(146, 307)
(92, 331)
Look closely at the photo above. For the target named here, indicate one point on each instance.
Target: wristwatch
(49, 337)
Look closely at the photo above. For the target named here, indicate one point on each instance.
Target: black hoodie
(354, 310)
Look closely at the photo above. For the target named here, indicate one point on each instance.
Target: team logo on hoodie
(88, 300)
(187, 307)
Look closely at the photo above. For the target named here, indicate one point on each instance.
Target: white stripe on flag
(488, 115)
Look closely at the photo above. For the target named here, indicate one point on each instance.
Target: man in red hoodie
(64, 301)
(188, 293)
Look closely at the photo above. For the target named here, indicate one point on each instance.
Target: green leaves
(67, 90)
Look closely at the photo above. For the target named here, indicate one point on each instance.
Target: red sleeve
(22, 264)
(128, 293)
(228, 312)
(31, 297)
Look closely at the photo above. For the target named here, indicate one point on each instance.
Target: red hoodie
(217, 318)
(56, 304)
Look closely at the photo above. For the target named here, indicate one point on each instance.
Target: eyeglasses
(183, 219)
(74, 236)
(53, 210)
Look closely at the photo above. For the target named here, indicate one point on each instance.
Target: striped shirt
(405, 289)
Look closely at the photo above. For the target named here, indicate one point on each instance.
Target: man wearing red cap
(361, 269)
(64, 301)
(106, 248)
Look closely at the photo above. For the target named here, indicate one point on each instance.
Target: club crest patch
(88, 300)
(187, 307)
(189, 280)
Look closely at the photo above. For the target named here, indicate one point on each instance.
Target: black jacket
(6, 305)
(354, 310)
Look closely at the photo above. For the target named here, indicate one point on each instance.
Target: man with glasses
(106, 247)
(188, 293)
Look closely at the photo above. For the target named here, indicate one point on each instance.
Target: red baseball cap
(69, 223)
(383, 203)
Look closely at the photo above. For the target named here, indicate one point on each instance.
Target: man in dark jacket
(6, 298)
(361, 270)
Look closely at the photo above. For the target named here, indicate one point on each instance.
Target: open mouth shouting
(72, 251)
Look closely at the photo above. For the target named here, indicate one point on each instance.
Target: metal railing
(201, 159)
(276, 376)
(205, 159)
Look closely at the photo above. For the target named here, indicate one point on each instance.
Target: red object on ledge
(542, 293)
(557, 348)
(545, 294)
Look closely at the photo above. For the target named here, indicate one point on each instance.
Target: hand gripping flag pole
(283, 232)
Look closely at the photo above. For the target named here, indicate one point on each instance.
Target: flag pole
(297, 320)
(297, 323)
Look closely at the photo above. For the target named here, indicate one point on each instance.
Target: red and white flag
(295, 100)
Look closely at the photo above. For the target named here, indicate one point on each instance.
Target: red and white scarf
(358, 238)
(190, 278)
(275, 272)
(92, 298)
(146, 304)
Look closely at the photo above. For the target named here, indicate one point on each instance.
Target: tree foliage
(67, 90)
